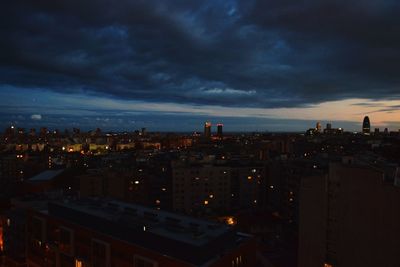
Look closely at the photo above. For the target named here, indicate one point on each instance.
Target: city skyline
(253, 65)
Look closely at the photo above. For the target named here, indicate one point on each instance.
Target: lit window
(78, 263)
(205, 202)
(230, 221)
(249, 177)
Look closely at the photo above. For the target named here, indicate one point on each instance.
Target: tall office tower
(144, 131)
(219, 130)
(318, 127)
(366, 126)
(350, 217)
(207, 129)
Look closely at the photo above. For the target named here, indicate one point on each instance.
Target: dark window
(66, 241)
(100, 254)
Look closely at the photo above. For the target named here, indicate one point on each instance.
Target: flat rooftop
(187, 239)
(47, 175)
(162, 223)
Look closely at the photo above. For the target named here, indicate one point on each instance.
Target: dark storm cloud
(229, 53)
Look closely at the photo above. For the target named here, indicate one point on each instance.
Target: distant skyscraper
(207, 129)
(318, 127)
(386, 131)
(366, 127)
(329, 126)
(219, 130)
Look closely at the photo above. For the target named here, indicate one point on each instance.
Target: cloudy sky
(255, 65)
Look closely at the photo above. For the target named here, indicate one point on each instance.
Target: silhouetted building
(330, 130)
(386, 131)
(91, 232)
(219, 130)
(328, 126)
(350, 217)
(366, 127)
(32, 132)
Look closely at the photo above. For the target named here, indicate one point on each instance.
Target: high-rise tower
(207, 129)
(318, 127)
(219, 130)
(366, 127)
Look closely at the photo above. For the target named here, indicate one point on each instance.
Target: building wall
(45, 247)
(312, 224)
(201, 188)
(354, 221)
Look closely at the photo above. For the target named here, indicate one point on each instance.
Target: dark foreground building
(108, 233)
(351, 216)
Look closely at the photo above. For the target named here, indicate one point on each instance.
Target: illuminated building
(366, 126)
(201, 188)
(216, 189)
(318, 127)
(207, 129)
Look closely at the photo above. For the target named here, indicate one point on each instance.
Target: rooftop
(173, 235)
(46, 175)
(162, 223)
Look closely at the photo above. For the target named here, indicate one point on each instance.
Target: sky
(171, 65)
